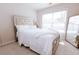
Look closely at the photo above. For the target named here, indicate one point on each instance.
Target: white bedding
(39, 40)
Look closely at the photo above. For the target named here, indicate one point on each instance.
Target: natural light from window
(56, 20)
(47, 20)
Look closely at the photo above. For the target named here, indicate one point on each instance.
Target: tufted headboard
(21, 20)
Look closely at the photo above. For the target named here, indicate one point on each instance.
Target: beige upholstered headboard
(21, 20)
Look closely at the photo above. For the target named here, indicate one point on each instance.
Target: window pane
(60, 17)
(55, 21)
(59, 21)
(46, 20)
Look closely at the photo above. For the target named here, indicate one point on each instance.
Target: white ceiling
(34, 6)
(37, 6)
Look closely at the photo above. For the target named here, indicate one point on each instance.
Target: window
(59, 21)
(47, 20)
(55, 20)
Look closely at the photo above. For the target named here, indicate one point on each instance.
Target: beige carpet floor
(66, 49)
(14, 49)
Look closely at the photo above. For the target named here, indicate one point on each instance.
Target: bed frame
(21, 20)
(55, 45)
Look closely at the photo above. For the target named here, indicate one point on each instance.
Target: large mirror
(73, 31)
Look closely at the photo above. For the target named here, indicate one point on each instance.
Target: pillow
(25, 26)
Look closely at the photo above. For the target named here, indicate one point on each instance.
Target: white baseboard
(7, 43)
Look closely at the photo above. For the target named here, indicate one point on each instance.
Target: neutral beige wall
(72, 9)
(6, 19)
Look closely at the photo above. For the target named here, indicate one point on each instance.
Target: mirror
(73, 31)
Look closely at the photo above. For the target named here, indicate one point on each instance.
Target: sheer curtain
(56, 21)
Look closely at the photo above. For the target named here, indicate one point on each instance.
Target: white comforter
(39, 40)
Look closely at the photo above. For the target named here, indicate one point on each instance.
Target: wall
(72, 9)
(6, 19)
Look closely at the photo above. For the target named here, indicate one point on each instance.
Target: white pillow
(25, 26)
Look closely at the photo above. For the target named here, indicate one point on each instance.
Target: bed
(43, 41)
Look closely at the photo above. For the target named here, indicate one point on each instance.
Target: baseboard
(7, 43)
